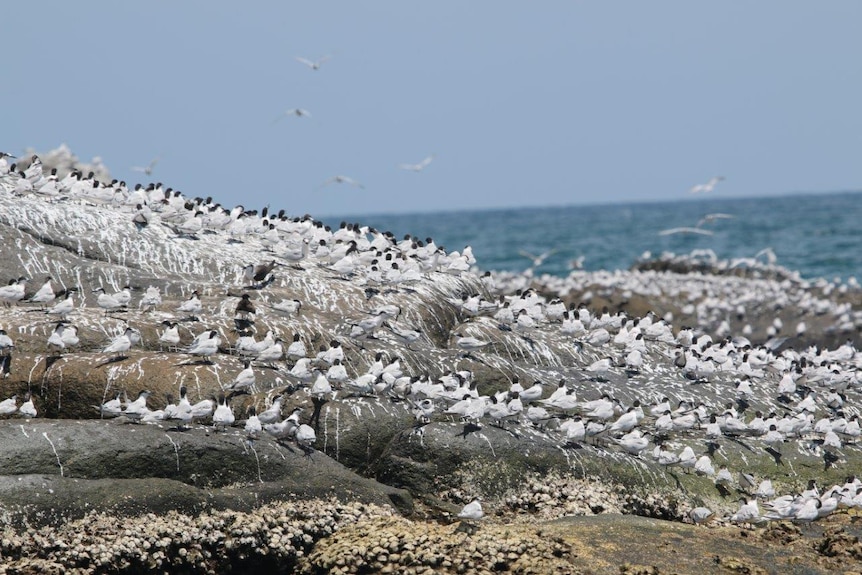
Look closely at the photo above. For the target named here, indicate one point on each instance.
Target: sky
(520, 103)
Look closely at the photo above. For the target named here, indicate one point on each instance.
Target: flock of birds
(303, 113)
(814, 403)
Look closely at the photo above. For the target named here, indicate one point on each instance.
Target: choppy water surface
(819, 235)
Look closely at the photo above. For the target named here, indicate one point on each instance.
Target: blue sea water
(820, 235)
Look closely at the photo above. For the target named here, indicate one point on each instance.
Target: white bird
(417, 167)
(27, 408)
(470, 343)
(708, 218)
(138, 408)
(341, 180)
(272, 413)
(707, 187)
(171, 335)
(537, 260)
(44, 294)
(305, 436)
(191, 306)
(313, 64)
(9, 406)
(205, 347)
(6, 343)
(148, 169)
(121, 344)
(244, 379)
(685, 230)
(253, 426)
(298, 112)
(13, 292)
(472, 511)
(63, 307)
(107, 301)
(223, 416)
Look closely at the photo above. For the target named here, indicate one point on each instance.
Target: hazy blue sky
(523, 103)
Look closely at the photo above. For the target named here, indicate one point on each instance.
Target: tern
(417, 167)
(298, 112)
(313, 64)
(148, 169)
(341, 180)
(707, 187)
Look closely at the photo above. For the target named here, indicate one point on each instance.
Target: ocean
(819, 235)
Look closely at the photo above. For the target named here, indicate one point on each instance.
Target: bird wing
(305, 61)
(685, 230)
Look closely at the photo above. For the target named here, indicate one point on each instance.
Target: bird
(341, 180)
(313, 64)
(223, 416)
(244, 379)
(709, 218)
(136, 409)
(121, 344)
(148, 169)
(107, 301)
(289, 306)
(707, 187)
(13, 292)
(417, 167)
(6, 343)
(539, 259)
(298, 112)
(253, 426)
(171, 335)
(44, 294)
(472, 511)
(258, 273)
(206, 347)
(685, 230)
(469, 343)
(28, 409)
(64, 335)
(191, 306)
(305, 437)
(63, 307)
(9, 406)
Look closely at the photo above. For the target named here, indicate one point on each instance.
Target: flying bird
(709, 218)
(148, 169)
(298, 112)
(685, 230)
(313, 64)
(417, 167)
(341, 180)
(707, 187)
(537, 260)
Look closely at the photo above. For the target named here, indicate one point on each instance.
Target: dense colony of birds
(772, 399)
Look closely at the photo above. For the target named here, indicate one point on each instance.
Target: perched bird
(63, 307)
(27, 408)
(258, 273)
(253, 427)
(44, 294)
(122, 343)
(472, 511)
(244, 378)
(191, 306)
(171, 335)
(223, 416)
(107, 301)
(9, 406)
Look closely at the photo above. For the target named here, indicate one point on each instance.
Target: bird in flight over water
(707, 187)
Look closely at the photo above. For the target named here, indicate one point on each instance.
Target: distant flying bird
(685, 230)
(148, 170)
(298, 112)
(341, 180)
(539, 259)
(707, 187)
(417, 167)
(314, 65)
(709, 218)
